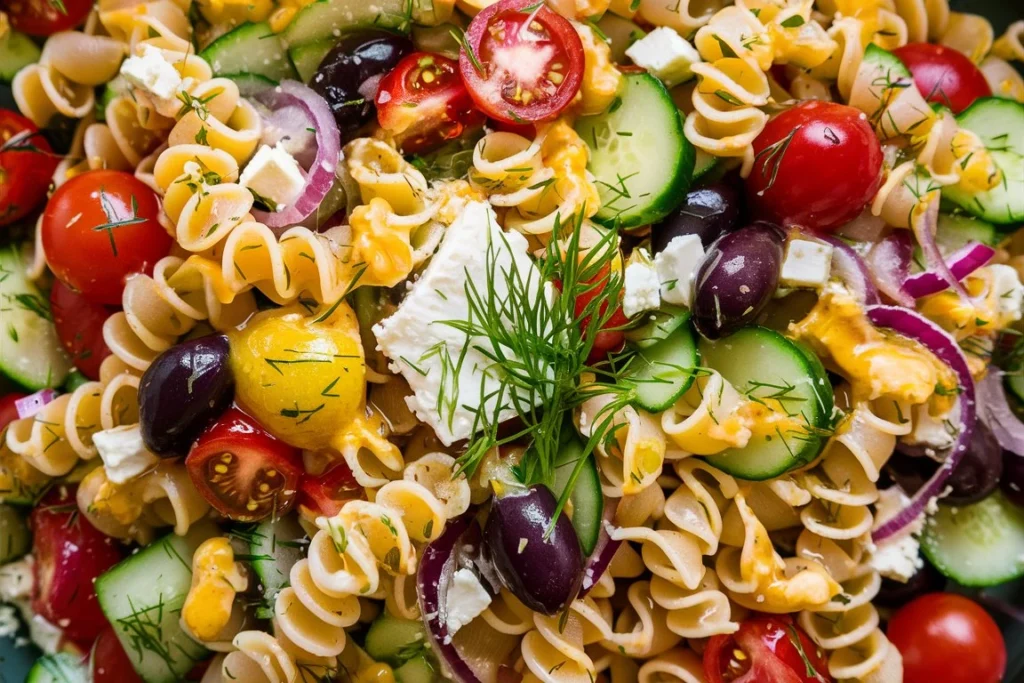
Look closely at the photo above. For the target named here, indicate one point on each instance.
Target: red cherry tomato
(522, 62)
(766, 649)
(609, 339)
(326, 494)
(8, 411)
(109, 663)
(70, 553)
(242, 471)
(944, 75)
(948, 638)
(817, 165)
(26, 165)
(79, 326)
(45, 17)
(99, 228)
(423, 103)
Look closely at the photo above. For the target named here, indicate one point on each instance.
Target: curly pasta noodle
(706, 420)
(632, 460)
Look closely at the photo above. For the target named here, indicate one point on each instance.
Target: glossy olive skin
(977, 474)
(183, 392)
(1012, 481)
(737, 279)
(545, 574)
(708, 212)
(356, 58)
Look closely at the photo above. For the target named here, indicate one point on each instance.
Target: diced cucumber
(586, 497)
(249, 49)
(781, 373)
(663, 372)
(998, 122)
(621, 34)
(274, 547)
(307, 57)
(15, 538)
(16, 52)
(642, 162)
(250, 84)
(977, 545)
(59, 668)
(328, 18)
(658, 325)
(30, 352)
(416, 670)
(886, 62)
(142, 598)
(390, 639)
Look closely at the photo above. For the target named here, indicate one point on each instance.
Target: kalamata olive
(737, 279)
(544, 573)
(707, 212)
(183, 392)
(977, 473)
(896, 593)
(1012, 481)
(347, 77)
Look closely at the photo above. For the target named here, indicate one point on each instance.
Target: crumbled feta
(16, 580)
(897, 557)
(123, 453)
(641, 288)
(807, 264)
(665, 54)
(935, 433)
(1009, 292)
(274, 175)
(152, 73)
(467, 599)
(44, 634)
(677, 265)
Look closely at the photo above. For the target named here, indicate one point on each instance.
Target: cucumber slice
(274, 547)
(621, 34)
(250, 84)
(328, 18)
(977, 545)
(586, 497)
(142, 598)
(998, 122)
(16, 52)
(391, 639)
(249, 49)
(703, 164)
(763, 364)
(15, 538)
(1003, 204)
(663, 372)
(307, 57)
(658, 325)
(30, 352)
(642, 162)
(416, 670)
(59, 668)
(886, 62)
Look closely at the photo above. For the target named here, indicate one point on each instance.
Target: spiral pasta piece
(706, 419)
(631, 459)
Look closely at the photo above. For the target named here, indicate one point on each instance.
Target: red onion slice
(604, 550)
(961, 263)
(925, 227)
(995, 412)
(889, 263)
(33, 403)
(915, 326)
(320, 174)
(848, 265)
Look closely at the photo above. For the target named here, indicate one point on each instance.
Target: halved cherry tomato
(243, 472)
(69, 554)
(325, 495)
(79, 324)
(946, 637)
(608, 339)
(944, 75)
(108, 661)
(99, 228)
(46, 17)
(8, 411)
(522, 62)
(26, 164)
(422, 102)
(766, 649)
(817, 165)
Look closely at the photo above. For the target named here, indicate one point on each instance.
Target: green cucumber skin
(327, 18)
(587, 497)
(249, 49)
(388, 636)
(16, 52)
(274, 539)
(59, 668)
(659, 324)
(886, 60)
(658, 389)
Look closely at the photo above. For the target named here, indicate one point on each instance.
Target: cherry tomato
(944, 75)
(70, 553)
(27, 163)
(422, 102)
(766, 649)
(46, 17)
(946, 637)
(79, 326)
(242, 471)
(522, 62)
(325, 495)
(109, 663)
(8, 411)
(817, 165)
(609, 339)
(99, 228)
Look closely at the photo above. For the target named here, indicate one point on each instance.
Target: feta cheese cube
(467, 599)
(274, 175)
(641, 288)
(1008, 291)
(677, 265)
(666, 54)
(152, 73)
(123, 453)
(807, 264)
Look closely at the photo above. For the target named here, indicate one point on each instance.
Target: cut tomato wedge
(324, 495)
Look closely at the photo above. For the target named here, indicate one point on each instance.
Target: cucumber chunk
(142, 598)
(30, 353)
(661, 373)
(16, 52)
(997, 121)
(586, 497)
(416, 670)
(15, 537)
(59, 668)
(249, 49)
(977, 545)
(780, 372)
(274, 546)
(250, 84)
(391, 639)
(307, 57)
(658, 325)
(642, 162)
(328, 18)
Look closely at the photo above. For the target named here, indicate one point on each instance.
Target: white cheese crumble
(466, 600)
(897, 557)
(807, 264)
(665, 54)
(152, 73)
(274, 175)
(936, 434)
(1009, 292)
(641, 288)
(123, 453)
(677, 265)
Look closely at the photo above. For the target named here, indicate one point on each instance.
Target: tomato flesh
(109, 663)
(949, 638)
(943, 75)
(522, 62)
(765, 649)
(27, 163)
(79, 324)
(325, 495)
(243, 472)
(610, 338)
(99, 228)
(46, 17)
(816, 166)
